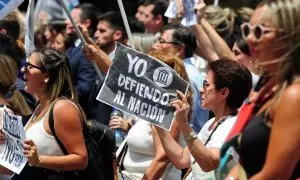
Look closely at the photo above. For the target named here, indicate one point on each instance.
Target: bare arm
(284, 147)
(160, 162)
(205, 48)
(217, 41)
(179, 156)
(208, 159)
(93, 53)
(210, 45)
(68, 127)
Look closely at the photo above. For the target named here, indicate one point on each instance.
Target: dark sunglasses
(258, 30)
(29, 66)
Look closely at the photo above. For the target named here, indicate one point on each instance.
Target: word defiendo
(142, 90)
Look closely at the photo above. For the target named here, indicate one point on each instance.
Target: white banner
(11, 155)
(6, 6)
(29, 35)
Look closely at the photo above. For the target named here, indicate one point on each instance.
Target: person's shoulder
(289, 101)
(229, 122)
(65, 106)
(292, 94)
(208, 123)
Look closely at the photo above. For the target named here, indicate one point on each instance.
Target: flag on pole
(29, 34)
(6, 6)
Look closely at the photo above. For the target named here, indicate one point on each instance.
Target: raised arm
(178, 155)
(220, 46)
(207, 158)
(160, 161)
(205, 48)
(211, 45)
(93, 53)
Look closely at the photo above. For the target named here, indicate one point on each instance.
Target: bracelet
(192, 135)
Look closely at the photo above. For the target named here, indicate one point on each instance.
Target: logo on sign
(163, 77)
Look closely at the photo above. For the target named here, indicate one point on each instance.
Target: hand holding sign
(92, 52)
(11, 157)
(30, 152)
(182, 109)
(89, 49)
(189, 18)
(142, 86)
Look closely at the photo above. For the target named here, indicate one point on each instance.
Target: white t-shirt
(217, 139)
(255, 79)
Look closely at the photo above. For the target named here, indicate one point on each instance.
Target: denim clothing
(199, 115)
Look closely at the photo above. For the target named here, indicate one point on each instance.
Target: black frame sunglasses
(27, 64)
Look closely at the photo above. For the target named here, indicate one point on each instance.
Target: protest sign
(171, 10)
(11, 155)
(6, 6)
(142, 86)
(189, 17)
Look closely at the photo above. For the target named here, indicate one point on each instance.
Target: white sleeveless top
(46, 144)
(141, 152)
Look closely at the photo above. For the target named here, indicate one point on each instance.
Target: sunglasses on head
(258, 30)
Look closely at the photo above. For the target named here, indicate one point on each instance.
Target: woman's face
(48, 34)
(242, 58)
(263, 49)
(209, 94)
(58, 43)
(34, 75)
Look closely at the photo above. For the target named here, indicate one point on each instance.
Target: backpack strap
(51, 125)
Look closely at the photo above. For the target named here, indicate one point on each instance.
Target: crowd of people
(230, 58)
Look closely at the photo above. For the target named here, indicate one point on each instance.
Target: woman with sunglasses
(11, 99)
(269, 145)
(226, 86)
(47, 75)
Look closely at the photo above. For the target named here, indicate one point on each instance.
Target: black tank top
(254, 145)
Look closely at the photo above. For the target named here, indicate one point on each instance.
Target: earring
(46, 80)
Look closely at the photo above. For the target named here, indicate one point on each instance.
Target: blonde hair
(244, 13)
(8, 76)
(60, 82)
(143, 42)
(285, 16)
(221, 19)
